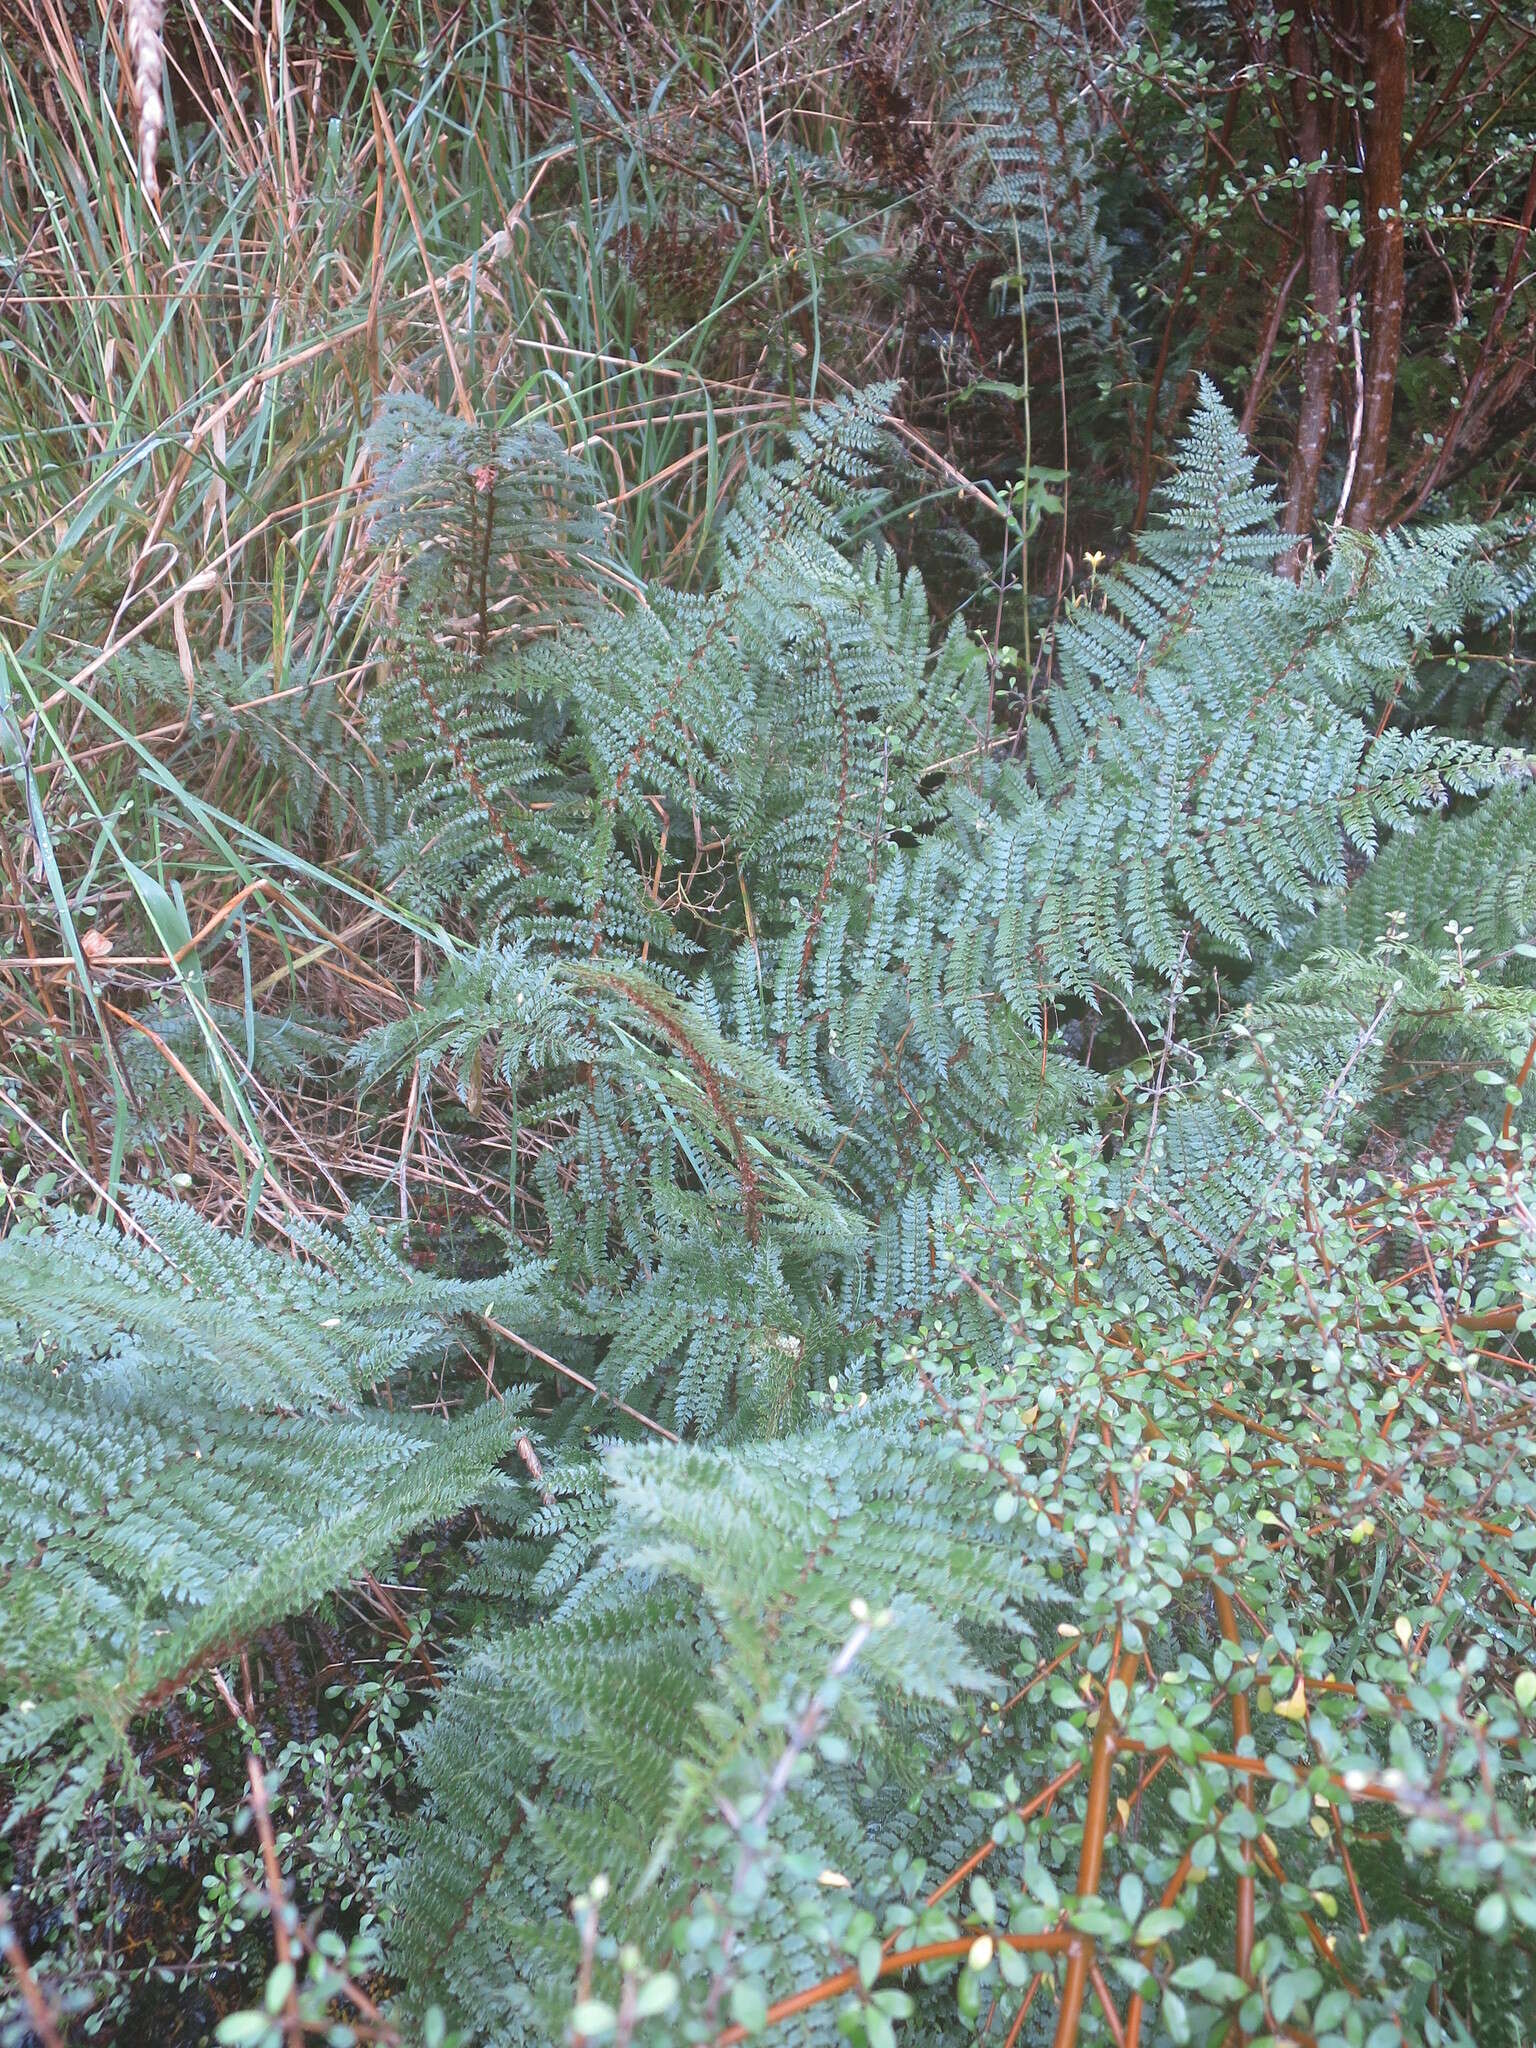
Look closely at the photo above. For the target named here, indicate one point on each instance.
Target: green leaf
(1193, 1976)
(1492, 1915)
(1158, 1924)
(894, 2002)
(279, 1984)
(1292, 1988)
(877, 2028)
(749, 2006)
(657, 1995)
(1012, 1965)
(246, 2030)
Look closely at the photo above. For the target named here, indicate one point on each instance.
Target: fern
(747, 963)
(676, 812)
(713, 1638)
(1478, 867)
(1019, 163)
(491, 524)
(255, 1045)
(301, 733)
(189, 1456)
(763, 1083)
(1203, 765)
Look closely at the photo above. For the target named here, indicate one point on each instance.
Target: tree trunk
(1315, 137)
(1385, 23)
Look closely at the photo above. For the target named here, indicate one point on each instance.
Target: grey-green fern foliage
(775, 966)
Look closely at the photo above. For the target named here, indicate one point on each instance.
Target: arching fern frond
(190, 1455)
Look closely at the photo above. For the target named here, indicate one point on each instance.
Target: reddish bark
(1315, 138)
(1385, 25)
(1080, 1948)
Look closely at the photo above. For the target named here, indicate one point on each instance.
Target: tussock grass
(351, 203)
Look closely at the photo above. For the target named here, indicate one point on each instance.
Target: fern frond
(189, 1457)
(665, 1694)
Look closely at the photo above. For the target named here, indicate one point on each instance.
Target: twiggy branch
(1054, 1941)
(277, 1901)
(38, 2011)
(801, 1735)
(1243, 1963)
(1080, 1948)
(1386, 33)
